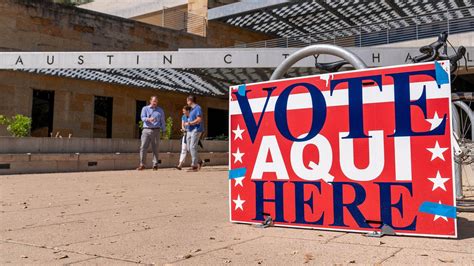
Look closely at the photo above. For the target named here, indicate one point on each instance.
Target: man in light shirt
(195, 129)
(153, 119)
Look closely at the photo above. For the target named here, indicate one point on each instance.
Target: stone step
(70, 162)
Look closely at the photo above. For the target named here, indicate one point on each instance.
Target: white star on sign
(238, 156)
(437, 151)
(436, 217)
(435, 121)
(238, 181)
(239, 203)
(438, 181)
(238, 133)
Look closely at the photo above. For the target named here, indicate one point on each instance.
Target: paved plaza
(178, 217)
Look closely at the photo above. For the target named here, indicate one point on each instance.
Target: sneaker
(200, 164)
(155, 168)
(178, 167)
(141, 167)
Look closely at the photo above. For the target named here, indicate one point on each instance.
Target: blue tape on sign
(241, 90)
(438, 209)
(442, 77)
(237, 172)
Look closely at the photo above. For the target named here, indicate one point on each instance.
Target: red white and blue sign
(345, 151)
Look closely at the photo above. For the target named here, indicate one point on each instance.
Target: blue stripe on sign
(442, 76)
(241, 90)
(438, 209)
(237, 172)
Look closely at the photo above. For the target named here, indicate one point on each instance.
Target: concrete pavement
(177, 217)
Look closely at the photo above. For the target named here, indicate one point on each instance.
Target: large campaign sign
(346, 151)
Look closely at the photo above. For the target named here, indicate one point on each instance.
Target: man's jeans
(150, 136)
(192, 143)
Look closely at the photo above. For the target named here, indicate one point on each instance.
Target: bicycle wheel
(464, 103)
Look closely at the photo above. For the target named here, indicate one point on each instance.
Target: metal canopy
(294, 18)
(211, 81)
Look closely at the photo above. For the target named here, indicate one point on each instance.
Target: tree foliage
(169, 128)
(18, 125)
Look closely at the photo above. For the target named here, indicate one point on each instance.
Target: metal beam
(196, 58)
(286, 21)
(334, 12)
(459, 3)
(242, 8)
(271, 9)
(396, 8)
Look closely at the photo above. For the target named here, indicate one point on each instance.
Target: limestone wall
(74, 102)
(35, 25)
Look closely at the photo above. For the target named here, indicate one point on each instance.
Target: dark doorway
(217, 123)
(103, 109)
(42, 113)
(139, 105)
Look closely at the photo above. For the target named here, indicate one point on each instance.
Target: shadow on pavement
(215, 169)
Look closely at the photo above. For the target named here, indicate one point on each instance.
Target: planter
(11, 145)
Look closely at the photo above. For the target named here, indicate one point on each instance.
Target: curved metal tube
(335, 50)
(457, 167)
(469, 113)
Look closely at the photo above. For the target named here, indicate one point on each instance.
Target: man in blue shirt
(195, 129)
(153, 119)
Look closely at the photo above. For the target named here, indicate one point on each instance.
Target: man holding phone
(153, 119)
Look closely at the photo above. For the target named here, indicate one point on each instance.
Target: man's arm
(196, 121)
(163, 123)
(143, 115)
(198, 117)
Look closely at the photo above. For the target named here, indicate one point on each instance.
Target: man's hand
(150, 119)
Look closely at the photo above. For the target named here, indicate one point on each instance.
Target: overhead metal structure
(210, 81)
(295, 18)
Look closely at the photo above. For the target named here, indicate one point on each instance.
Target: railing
(179, 20)
(390, 31)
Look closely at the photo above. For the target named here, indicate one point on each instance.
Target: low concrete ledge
(10, 145)
(67, 162)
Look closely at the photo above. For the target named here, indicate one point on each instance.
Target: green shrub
(222, 137)
(18, 125)
(169, 128)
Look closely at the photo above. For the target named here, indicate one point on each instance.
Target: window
(138, 112)
(218, 122)
(103, 108)
(42, 113)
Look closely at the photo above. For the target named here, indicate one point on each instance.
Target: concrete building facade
(74, 103)
(31, 25)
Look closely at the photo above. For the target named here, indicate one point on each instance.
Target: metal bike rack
(470, 115)
(457, 166)
(317, 49)
(457, 130)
